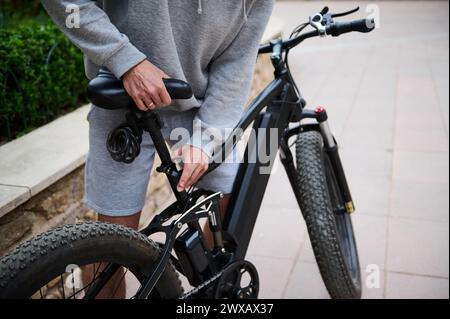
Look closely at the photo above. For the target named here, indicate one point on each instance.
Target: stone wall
(63, 201)
(58, 204)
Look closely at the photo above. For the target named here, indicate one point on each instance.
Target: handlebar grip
(266, 48)
(363, 26)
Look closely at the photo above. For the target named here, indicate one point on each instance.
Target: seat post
(153, 124)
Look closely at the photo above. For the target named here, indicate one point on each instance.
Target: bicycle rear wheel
(49, 265)
(329, 226)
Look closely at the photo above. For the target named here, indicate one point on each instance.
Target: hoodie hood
(244, 6)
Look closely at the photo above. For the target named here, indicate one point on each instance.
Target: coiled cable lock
(124, 142)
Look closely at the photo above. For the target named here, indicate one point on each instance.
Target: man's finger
(154, 94)
(195, 175)
(150, 105)
(140, 104)
(187, 172)
(165, 97)
(188, 155)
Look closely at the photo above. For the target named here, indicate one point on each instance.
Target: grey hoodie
(211, 44)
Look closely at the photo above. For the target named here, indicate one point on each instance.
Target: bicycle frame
(284, 105)
(244, 204)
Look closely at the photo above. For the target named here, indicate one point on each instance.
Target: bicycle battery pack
(191, 255)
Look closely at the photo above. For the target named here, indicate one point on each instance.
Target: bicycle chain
(202, 286)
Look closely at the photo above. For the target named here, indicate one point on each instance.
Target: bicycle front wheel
(56, 264)
(329, 226)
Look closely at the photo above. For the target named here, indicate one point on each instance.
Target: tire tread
(316, 209)
(64, 237)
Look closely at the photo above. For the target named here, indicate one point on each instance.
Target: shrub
(41, 76)
(28, 7)
(13, 12)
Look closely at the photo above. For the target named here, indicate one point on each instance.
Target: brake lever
(317, 22)
(336, 15)
(324, 11)
(320, 21)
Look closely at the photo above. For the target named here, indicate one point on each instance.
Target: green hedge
(13, 12)
(41, 76)
(24, 7)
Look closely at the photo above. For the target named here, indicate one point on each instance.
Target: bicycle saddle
(108, 92)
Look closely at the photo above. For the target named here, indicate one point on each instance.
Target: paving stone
(273, 275)
(421, 167)
(424, 200)
(403, 286)
(418, 247)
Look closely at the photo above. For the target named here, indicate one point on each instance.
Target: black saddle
(108, 92)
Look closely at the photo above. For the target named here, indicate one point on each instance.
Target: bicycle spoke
(119, 284)
(80, 291)
(73, 284)
(96, 272)
(62, 286)
(90, 283)
(94, 278)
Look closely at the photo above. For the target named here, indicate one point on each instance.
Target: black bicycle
(51, 263)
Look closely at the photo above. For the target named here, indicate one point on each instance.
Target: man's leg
(209, 239)
(221, 179)
(128, 221)
(116, 287)
(115, 190)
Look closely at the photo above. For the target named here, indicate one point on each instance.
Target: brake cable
(294, 33)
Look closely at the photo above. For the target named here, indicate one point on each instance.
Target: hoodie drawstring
(245, 10)
(200, 8)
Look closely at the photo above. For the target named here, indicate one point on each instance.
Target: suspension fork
(331, 148)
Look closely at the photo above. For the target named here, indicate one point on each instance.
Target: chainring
(239, 280)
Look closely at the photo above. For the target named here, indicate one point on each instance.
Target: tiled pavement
(388, 98)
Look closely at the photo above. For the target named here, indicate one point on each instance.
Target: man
(211, 44)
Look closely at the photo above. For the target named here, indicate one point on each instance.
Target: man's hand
(144, 83)
(196, 163)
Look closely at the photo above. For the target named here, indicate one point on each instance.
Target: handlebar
(327, 26)
(288, 44)
(363, 26)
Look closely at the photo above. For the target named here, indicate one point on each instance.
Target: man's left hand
(196, 163)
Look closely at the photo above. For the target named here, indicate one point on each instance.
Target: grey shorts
(118, 189)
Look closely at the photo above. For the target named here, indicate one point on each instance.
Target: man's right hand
(144, 83)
